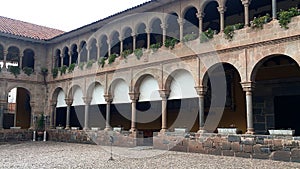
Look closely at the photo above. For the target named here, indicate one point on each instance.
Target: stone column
(274, 9)
(69, 103)
(133, 41)
(164, 94)
(200, 16)
(148, 31)
(201, 90)
(61, 61)
(53, 114)
(87, 101)
(32, 120)
(4, 59)
(108, 100)
(181, 23)
(121, 44)
(248, 88)
(134, 98)
(246, 4)
(2, 109)
(109, 48)
(21, 62)
(164, 31)
(222, 19)
(70, 57)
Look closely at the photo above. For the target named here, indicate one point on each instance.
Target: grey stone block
(281, 156)
(233, 138)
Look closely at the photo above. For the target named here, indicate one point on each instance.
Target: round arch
(119, 90)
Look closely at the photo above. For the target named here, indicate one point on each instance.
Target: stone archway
(276, 94)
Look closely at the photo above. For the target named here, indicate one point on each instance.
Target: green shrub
(90, 63)
(63, 69)
(126, 53)
(138, 53)
(71, 67)
(258, 23)
(206, 35)
(81, 65)
(44, 71)
(155, 46)
(170, 42)
(15, 70)
(229, 30)
(27, 70)
(286, 16)
(189, 37)
(101, 62)
(112, 58)
(55, 72)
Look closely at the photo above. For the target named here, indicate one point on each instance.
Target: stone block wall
(247, 146)
(15, 135)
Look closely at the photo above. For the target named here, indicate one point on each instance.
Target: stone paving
(67, 155)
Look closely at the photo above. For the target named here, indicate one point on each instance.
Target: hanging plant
(101, 62)
(286, 16)
(44, 71)
(229, 30)
(170, 42)
(112, 58)
(55, 72)
(81, 65)
(189, 37)
(63, 70)
(155, 47)
(206, 35)
(27, 70)
(138, 53)
(15, 70)
(90, 63)
(71, 67)
(258, 23)
(126, 53)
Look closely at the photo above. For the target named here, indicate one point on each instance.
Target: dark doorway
(287, 113)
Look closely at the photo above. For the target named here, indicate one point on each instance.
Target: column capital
(201, 90)
(164, 26)
(108, 98)
(246, 2)
(222, 9)
(69, 101)
(164, 94)
(181, 21)
(87, 100)
(200, 15)
(133, 34)
(248, 86)
(148, 30)
(134, 96)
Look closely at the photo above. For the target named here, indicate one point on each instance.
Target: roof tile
(25, 29)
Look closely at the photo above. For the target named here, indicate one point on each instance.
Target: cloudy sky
(65, 15)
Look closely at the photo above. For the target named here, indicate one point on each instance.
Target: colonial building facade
(195, 64)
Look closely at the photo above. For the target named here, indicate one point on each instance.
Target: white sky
(65, 15)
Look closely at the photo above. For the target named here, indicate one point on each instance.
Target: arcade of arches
(224, 94)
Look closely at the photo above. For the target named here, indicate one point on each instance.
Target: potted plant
(40, 127)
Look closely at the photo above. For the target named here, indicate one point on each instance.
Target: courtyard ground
(67, 155)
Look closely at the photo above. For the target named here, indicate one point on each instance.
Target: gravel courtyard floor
(66, 155)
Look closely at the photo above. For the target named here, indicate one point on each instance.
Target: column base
(163, 130)
(67, 128)
(108, 129)
(133, 130)
(250, 131)
(201, 131)
(86, 128)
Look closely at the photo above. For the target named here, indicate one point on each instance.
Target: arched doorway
(224, 99)
(276, 95)
(19, 109)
